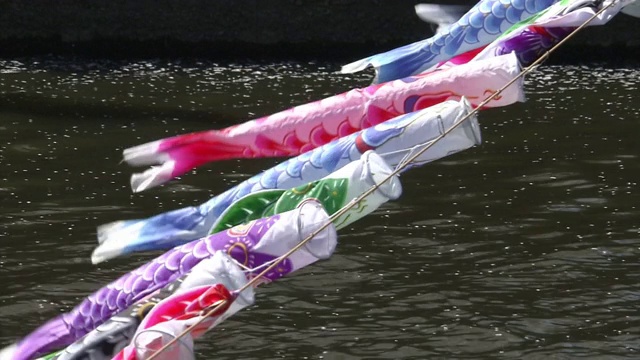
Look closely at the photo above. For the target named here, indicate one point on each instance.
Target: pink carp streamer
(179, 312)
(305, 127)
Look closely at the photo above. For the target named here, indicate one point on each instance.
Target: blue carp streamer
(477, 28)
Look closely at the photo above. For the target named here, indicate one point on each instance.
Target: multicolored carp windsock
(532, 37)
(174, 315)
(104, 342)
(252, 245)
(208, 285)
(305, 127)
(477, 28)
(333, 192)
(392, 140)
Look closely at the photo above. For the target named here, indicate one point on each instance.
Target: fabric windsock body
(103, 342)
(151, 341)
(481, 25)
(305, 127)
(108, 339)
(253, 245)
(333, 191)
(532, 37)
(393, 140)
(219, 269)
(422, 131)
(213, 280)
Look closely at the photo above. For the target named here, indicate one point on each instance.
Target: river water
(527, 246)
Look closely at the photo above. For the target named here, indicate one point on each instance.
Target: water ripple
(525, 247)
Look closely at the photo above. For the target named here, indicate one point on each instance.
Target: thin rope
(252, 270)
(375, 187)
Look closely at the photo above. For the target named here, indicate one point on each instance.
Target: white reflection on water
(526, 246)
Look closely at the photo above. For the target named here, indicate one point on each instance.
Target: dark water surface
(525, 247)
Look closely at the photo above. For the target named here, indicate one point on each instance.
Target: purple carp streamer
(104, 342)
(253, 245)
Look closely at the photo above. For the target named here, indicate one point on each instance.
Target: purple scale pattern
(143, 281)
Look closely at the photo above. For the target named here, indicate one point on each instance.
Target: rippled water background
(525, 247)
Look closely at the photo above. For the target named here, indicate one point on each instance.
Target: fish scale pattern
(178, 226)
(305, 127)
(390, 139)
(478, 27)
(138, 284)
